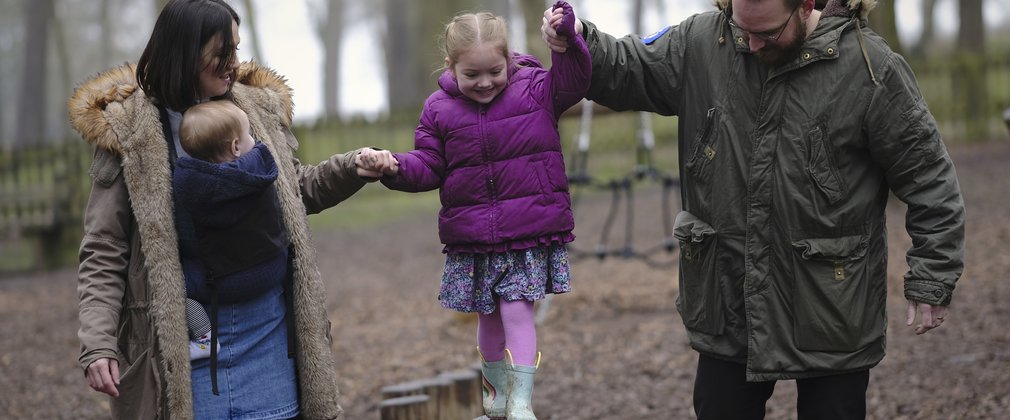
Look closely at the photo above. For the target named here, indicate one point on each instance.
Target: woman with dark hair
(274, 358)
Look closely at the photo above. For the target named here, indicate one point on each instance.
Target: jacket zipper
(492, 193)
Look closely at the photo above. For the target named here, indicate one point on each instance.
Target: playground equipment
(622, 190)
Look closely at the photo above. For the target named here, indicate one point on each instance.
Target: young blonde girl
(488, 140)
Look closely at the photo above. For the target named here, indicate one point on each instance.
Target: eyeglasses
(772, 35)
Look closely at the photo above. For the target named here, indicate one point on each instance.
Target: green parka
(785, 176)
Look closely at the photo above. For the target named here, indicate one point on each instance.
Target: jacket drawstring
(866, 56)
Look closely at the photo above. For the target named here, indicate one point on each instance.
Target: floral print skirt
(473, 282)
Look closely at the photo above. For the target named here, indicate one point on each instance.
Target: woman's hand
(103, 376)
(374, 163)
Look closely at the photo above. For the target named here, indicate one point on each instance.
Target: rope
(622, 189)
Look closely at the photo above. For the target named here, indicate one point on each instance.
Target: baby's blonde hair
(209, 128)
(470, 29)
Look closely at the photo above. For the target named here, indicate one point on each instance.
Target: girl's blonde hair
(470, 29)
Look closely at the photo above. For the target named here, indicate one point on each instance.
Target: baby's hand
(373, 163)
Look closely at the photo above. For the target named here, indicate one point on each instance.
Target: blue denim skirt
(255, 377)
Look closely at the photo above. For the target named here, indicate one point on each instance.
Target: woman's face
(212, 82)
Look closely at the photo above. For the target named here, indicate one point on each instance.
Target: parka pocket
(138, 388)
(704, 146)
(700, 299)
(836, 306)
(821, 166)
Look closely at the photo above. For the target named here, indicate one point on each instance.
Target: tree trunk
(64, 82)
(971, 34)
(884, 23)
(972, 91)
(105, 43)
(414, 32)
(31, 99)
(921, 47)
(254, 38)
(332, 37)
(533, 15)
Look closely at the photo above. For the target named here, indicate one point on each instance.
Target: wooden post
(410, 407)
(412, 388)
(402, 389)
(477, 369)
(465, 390)
(438, 389)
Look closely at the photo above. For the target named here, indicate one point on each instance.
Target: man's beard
(775, 55)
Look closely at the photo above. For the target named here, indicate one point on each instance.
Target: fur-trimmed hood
(863, 6)
(93, 106)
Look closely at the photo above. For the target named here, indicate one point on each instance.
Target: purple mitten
(567, 25)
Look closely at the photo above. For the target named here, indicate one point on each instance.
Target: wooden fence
(967, 95)
(450, 395)
(42, 195)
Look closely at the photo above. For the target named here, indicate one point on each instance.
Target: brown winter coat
(131, 286)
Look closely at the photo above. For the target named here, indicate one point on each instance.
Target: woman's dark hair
(169, 68)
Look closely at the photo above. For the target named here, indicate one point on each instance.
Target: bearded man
(795, 126)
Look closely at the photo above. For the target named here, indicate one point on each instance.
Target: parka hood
(102, 99)
(833, 8)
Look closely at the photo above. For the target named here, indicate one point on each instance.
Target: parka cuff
(90, 357)
(348, 163)
(928, 291)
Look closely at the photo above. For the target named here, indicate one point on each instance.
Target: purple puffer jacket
(499, 166)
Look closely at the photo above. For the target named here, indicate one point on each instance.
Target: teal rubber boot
(520, 395)
(494, 387)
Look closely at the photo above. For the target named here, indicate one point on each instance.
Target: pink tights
(510, 326)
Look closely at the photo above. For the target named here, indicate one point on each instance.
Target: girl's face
(481, 73)
(212, 82)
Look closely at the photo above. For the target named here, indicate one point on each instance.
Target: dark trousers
(721, 392)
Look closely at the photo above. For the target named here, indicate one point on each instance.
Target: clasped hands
(374, 163)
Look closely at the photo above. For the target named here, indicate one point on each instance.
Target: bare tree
(330, 31)
(63, 81)
(533, 13)
(883, 20)
(413, 32)
(971, 47)
(921, 47)
(31, 99)
(105, 45)
(971, 33)
(254, 34)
